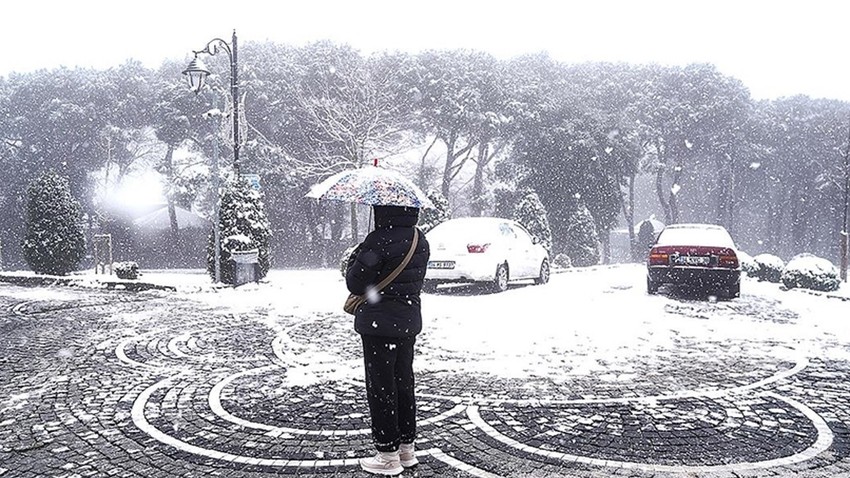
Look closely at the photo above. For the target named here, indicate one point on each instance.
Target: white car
(485, 250)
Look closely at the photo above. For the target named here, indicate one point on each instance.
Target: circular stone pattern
(339, 406)
(688, 432)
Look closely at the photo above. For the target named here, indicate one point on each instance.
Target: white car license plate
(441, 264)
(691, 260)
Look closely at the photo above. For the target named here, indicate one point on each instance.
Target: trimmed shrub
(126, 270)
(531, 213)
(748, 264)
(431, 218)
(808, 271)
(562, 261)
(54, 242)
(768, 267)
(582, 239)
(347, 258)
(243, 226)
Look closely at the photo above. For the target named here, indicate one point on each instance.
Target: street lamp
(844, 232)
(197, 73)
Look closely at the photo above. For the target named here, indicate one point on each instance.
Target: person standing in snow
(388, 323)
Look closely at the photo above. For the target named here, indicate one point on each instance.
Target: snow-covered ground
(595, 321)
(588, 354)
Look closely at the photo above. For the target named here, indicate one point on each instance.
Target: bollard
(245, 266)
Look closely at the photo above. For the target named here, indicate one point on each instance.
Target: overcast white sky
(777, 48)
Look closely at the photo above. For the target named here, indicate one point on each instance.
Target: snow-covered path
(585, 376)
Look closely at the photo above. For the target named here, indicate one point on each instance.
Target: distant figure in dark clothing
(388, 323)
(646, 236)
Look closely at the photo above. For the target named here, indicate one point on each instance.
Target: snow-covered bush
(531, 213)
(748, 264)
(347, 257)
(237, 243)
(562, 261)
(243, 226)
(582, 241)
(768, 267)
(430, 218)
(808, 271)
(54, 242)
(126, 270)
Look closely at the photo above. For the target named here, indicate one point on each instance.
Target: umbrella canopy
(373, 186)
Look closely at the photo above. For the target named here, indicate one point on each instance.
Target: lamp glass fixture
(196, 73)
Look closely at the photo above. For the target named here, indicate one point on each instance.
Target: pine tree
(54, 242)
(583, 245)
(531, 213)
(243, 226)
(430, 218)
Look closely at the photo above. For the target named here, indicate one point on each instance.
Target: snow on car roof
(695, 235)
(477, 226)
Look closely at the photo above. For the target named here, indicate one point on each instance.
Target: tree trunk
(659, 184)
(774, 222)
(447, 169)
(172, 211)
(605, 239)
(423, 169)
(629, 213)
(659, 191)
(725, 180)
(797, 222)
(478, 181)
(673, 202)
(355, 233)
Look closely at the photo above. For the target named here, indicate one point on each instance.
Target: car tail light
(658, 258)
(730, 261)
(477, 248)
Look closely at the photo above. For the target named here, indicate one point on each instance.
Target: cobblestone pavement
(150, 384)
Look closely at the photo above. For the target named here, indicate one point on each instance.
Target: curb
(561, 270)
(41, 281)
(820, 294)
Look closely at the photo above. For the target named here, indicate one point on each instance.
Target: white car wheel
(545, 272)
(500, 282)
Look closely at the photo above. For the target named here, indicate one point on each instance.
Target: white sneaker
(407, 456)
(384, 463)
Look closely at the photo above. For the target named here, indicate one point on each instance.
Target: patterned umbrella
(371, 185)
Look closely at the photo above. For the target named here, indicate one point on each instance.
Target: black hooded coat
(395, 311)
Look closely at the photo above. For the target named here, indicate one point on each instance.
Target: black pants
(389, 390)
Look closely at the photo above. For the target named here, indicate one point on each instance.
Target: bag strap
(403, 264)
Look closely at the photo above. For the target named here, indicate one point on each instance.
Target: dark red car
(701, 256)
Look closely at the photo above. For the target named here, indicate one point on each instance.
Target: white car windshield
(697, 235)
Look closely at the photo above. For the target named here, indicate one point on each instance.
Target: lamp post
(217, 190)
(844, 233)
(197, 73)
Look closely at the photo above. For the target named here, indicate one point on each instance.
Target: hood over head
(395, 216)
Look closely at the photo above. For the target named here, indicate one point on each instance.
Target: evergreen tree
(243, 226)
(54, 242)
(430, 218)
(531, 213)
(582, 239)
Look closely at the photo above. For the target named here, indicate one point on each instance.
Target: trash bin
(245, 266)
